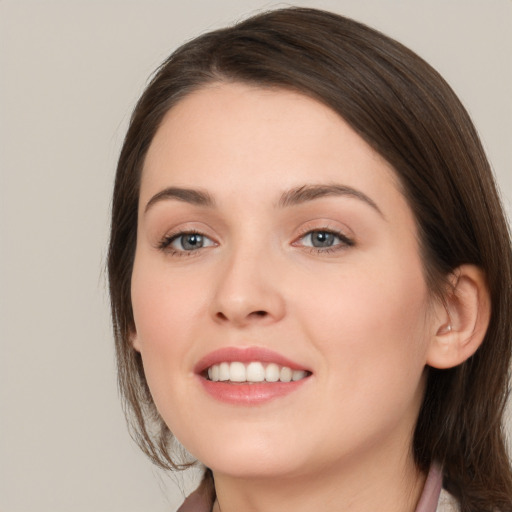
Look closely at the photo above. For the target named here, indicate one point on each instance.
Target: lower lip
(249, 393)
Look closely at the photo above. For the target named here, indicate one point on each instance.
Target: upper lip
(245, 355)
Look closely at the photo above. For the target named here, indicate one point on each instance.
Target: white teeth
(298, 374)
(237, 372)
(286, 374)
(253, 372)
(223, 371)
(213, 373)
(272, 373)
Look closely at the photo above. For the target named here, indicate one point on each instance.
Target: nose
(248, 291)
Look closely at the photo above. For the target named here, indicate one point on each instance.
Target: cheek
(372, 337)
(371, 326)
(166, 312)
(165, 308)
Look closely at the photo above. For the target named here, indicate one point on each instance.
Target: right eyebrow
(187, 195)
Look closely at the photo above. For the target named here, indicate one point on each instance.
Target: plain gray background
(70, 73)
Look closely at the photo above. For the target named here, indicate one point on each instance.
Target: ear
(461, 320)
(134, 340)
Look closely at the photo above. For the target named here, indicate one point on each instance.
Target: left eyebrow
(305, 193)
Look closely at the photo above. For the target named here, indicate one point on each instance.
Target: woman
(310, 275)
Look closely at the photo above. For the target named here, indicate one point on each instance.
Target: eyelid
(328, 225)
(343, 238)
(164, 243)
(346, 239)
(169, 239)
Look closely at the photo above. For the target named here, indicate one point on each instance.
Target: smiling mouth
(253, 372)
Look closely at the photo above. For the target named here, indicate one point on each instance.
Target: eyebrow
(292, 197)
(187, 195)
(307, 193)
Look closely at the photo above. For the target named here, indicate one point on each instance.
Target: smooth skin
(332, 280)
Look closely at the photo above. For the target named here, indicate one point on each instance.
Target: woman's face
(270, 233)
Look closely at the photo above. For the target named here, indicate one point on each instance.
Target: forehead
(239, 138)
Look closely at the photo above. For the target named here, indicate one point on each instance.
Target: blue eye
(189, 242)
(186, 242)
(321, 238)
(324, 239)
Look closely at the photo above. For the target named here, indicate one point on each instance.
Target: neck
(384, 484)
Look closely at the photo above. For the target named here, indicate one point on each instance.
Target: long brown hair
(408, 114)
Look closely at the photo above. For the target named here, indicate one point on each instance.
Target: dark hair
(402, 107)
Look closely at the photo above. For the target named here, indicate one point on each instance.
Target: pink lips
(246, 393)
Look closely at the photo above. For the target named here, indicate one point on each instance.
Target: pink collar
(430, 495)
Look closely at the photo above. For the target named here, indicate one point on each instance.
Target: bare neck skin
(385, 481)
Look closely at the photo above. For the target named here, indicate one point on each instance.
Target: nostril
(253, 314)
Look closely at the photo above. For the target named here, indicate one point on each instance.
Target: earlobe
(134, 340)
(462, 323)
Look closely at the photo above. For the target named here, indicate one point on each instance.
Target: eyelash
(167, 240)
(344, 242)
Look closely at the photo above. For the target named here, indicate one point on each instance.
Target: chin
(245, 455)
(255, 467)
